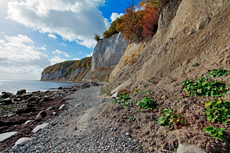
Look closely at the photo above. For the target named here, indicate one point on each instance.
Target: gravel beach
(78, 129)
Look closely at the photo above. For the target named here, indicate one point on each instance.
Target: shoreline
(36, 108)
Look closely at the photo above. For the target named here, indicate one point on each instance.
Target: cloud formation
(114, 16)
(60, 52)
(73, 20)
(56, 60)
(19, 55)
(52, 36)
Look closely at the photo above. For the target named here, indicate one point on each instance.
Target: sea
(30, 85)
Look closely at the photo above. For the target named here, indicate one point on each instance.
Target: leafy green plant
(145, 85)
(169, 118)
(148, 92)
(217, 110)
(203, 87)
(132, 118)
(146, 103)
(122, 98)
(177, 98)
(153, 82)
(127, 103)
(195, 64)
(218, 73)
(215, 132)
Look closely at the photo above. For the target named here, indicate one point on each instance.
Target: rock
(6, 101)
(23, 110)
(54, 113)
(42, 126)
(28, 122)
(191, 32)
(7, 135)
(75, 88)
(50, 108)
(32, 98)
(189, 149)
(40, 115)
(25, 96)
(94, 83)
(60, 88)
(22, 140)
(203, 23)
(6, 94)
(20, 92)
(62, 106)
(85, 85)
(45, 98)
(115, 95)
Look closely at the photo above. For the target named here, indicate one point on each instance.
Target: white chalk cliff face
(109, 51)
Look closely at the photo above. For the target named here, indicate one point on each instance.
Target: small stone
(75, 128)
(7, 135)
(40, 115)
(42, 126)
(62, 106)
(22, 140)
(28, 122)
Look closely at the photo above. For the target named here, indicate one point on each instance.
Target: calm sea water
(30, 85)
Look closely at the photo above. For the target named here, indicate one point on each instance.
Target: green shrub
(132, 118)
(215, 132)
(122, 98)
(217, 110)
(195, 64)
(202, 87)
(127, 103)
(218, 73)
(97, 37)
(146, 103)
(169, 118)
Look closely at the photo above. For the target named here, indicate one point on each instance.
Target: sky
(35, 34)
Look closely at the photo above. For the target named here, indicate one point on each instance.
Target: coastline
(35, 108)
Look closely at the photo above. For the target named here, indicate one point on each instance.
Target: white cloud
(42, 48)
(52, 36)
(63, 44)
(60, 52)
(89, 55)
(76, 59)
(114, 16)
(18, 55)
(56, 60)
(79, 52)
(73, 20)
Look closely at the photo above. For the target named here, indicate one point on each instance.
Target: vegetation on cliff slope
(68, 66)
(138, 23)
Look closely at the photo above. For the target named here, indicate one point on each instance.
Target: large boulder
(6, 94)
(6, 101)
(20, 92)
(85, 85)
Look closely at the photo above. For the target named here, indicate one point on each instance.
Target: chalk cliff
(108, 51)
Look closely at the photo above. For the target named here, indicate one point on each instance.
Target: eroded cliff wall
(108, 51)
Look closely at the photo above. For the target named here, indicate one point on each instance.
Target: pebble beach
(78, 129)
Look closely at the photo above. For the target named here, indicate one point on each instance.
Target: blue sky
(37, 33)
